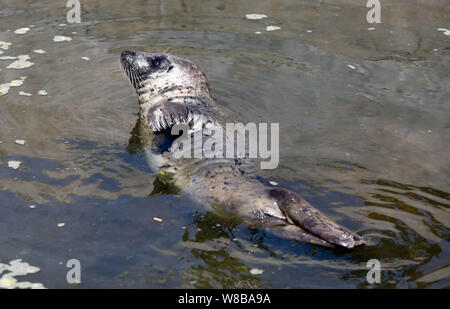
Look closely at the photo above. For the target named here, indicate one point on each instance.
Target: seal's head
(155, 74)
(171, 90)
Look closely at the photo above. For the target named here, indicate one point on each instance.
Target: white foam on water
(272, 28)
(61, 38)
(255, 16)
(18, 268)
(22, 30)
(14, 164)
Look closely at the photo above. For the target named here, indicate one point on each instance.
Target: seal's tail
(301, 213)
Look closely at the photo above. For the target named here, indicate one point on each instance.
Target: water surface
(364, 124)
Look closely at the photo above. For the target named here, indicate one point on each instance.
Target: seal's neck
(157, 90)
(152, 93)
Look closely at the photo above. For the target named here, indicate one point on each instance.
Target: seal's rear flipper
(301, 213)
(296, 233)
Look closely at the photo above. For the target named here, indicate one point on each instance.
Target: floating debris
(273, 183)
(157, 219)
(255, 16)
(42, 92)
(32, 206)
(8, 58)
(16, 83)
(22, 63)
(258, 32)
(18, 268)
(39, 51)
(256, 271)
(351, 66)
(62, 25)
(20, 141)
(309, 31)
(25, 94)
(272, 28)
(4, 45)
(22, 30)
(14, 164)
(62, 224)
(3, 90)
(445, 31)
(61, 38)
(7, 283)
(85, 58)
(371, 28)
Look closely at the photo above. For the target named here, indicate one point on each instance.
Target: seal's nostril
(127, 54)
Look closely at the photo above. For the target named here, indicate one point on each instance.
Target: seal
(174, 91)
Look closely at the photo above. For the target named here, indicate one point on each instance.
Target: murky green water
(368, 144)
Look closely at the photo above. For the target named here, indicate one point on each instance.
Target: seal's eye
(155, 63)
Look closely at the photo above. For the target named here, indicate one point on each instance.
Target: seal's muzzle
(139, 65)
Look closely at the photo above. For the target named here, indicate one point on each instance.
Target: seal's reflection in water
(210, 239)
(410, 235)
(138, 143)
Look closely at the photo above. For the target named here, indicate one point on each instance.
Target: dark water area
(364, 137)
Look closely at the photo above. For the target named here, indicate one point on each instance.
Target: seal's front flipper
(301, 213)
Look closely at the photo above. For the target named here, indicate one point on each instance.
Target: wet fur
(176, 91)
